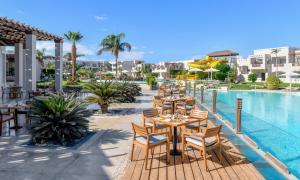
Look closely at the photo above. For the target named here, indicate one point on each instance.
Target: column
(30, 62)
(58, 65)
(2, 67)
(19, 63)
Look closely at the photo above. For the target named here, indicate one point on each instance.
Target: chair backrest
(199, 114)
(212, 132)
(157, 102)
(150, 113)
(190, 102)
(140, 130)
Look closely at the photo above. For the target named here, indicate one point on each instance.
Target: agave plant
(104, 93)
(58, 119)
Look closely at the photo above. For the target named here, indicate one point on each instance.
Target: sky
(164, 30)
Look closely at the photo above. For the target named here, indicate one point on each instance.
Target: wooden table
(175, 124)
(15, 108)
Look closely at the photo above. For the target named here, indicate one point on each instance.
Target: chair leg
(205, 161)
(220, 154)
(168, 152)
(146, 157)
(132, 150)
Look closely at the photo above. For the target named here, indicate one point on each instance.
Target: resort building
(163, 69)
(264, 62)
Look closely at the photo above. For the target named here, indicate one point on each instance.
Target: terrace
(104, 151)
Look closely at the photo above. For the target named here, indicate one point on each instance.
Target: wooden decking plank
(231, 173)
(162, 173)
(179, 168)
(200, 161)
(187, 169)
(190, 156)
(218, 166)
(244, 163)
(130, 168)
(139, 167)
(171, 171)
(155, 164)
(233, 162)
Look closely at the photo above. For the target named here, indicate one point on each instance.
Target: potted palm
(58, 119)
(104, 93)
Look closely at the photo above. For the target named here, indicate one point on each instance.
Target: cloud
(101, 18)
(81, 49)
(201, 56)
(132, 55)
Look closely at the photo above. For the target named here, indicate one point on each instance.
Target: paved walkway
(103, 156)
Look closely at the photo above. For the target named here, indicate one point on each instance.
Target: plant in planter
(126, 91)
(273, 82)
(58, 119)
(104, 93)
(151, 81)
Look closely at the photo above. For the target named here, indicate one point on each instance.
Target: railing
(282, 144)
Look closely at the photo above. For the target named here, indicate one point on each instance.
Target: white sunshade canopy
(195, 70)
(211, 70)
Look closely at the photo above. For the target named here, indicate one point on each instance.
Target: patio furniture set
(175, 117)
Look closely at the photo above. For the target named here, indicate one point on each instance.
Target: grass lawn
(257, 85)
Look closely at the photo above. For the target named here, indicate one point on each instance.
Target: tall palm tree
(276, 51)
(73, 37)
(113, 44)
(40, 55)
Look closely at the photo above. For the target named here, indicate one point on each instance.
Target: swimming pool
(272, 120)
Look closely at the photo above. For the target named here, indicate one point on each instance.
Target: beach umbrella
(211, 70)
(195, 70)
(288, 75)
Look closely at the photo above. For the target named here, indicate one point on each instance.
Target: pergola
(23, 37)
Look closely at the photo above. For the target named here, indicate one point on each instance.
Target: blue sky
(165, 30)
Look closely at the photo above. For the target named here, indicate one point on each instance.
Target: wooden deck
(235, 165)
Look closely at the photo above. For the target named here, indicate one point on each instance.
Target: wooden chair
(186, 107)
(208, 140)
(148, 116)
(201, 124)
(147, 141)
(7, 116)
(159, 104)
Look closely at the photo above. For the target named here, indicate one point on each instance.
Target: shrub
(104, 94)
(127, 91)
(273, 82)
(252, 77)
(58, 119)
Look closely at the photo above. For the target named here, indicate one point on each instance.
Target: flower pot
(104, 108)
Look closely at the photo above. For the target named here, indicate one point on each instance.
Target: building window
(280, 60)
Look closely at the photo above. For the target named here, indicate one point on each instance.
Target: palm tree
(276, 51)
(74, 37)
(40, 55)
(113, 44)
(68, 56)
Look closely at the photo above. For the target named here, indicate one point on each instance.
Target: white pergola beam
(19, 62)
(58, 66)
(30, 63)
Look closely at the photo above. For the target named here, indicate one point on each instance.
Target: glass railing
(270, 137)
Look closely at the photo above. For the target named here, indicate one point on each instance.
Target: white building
(263, 62)
(164, 68)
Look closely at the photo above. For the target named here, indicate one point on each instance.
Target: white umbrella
(125, 71)
(195, 70)
(211, 70)
(289, 76)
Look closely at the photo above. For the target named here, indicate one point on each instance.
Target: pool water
(272, 120)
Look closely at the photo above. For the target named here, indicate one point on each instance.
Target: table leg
(16, 124)
(175, 152)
